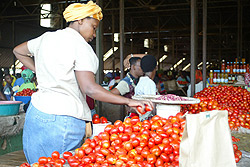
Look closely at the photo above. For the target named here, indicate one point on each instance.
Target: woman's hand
(142, 103)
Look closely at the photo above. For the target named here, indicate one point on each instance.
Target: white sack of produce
(206, 141)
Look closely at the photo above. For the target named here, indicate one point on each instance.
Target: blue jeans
(44, 133)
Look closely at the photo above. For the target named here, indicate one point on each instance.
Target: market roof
(167, 19)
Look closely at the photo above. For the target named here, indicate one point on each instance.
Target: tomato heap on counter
(233, 99)
(130, 143)
(25, 92)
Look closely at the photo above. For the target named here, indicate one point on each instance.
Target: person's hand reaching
(142, 103)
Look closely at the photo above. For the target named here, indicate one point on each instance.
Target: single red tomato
(164, 157)
(151, 158)
(134, 120)
(58, 163)
(86, 160)
(103, 120)
(96, 120)
(139, 109)
(147, 108)
(100, 159)
(108, 128)
(168, 149)
(43, 160)
(95, 116)
(67, 154)
(145, 153)
(105, 151)
(55, 155)
(111, 159)
(159, 162)
(88, 150)
(80, 152)
(118, 123)
(155, 150)
(128, 145)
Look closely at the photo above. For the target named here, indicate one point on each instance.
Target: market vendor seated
(27, 76)
(183, 80)
(8, 88)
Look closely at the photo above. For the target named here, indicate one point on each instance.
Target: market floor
(12, 159)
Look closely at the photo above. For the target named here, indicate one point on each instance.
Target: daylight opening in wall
(165, 48)
(109, 53)
(146, 43)
(45, 13)
(116, 37)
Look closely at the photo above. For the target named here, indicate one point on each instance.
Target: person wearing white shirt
(146, 85)
(65, 66)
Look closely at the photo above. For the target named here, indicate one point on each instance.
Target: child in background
(7, 90)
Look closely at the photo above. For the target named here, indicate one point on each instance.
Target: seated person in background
(114, 82)
(160, 86)
(7, 90)
(7, 71)
(19, 81)
(2, 96)
(18, 75)
(198, 83)
(27, 76)
(183, 80)
(146, 85)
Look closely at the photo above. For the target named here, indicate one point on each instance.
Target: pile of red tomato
(156, 142)
(233, 99)
(99, 120)
(25, 92)
(128, 144)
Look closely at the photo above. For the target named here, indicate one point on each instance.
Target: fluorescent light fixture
(186, 67)
(116, 37)
(109, 53)
(146, 52)
(165, 48)
(200, 64)
(171, 68)
(107, 71)
(45, 11)
(179, 62)
(163, 58)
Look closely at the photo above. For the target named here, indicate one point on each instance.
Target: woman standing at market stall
(65, 66)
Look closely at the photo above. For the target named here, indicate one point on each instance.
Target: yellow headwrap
(77, 11)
